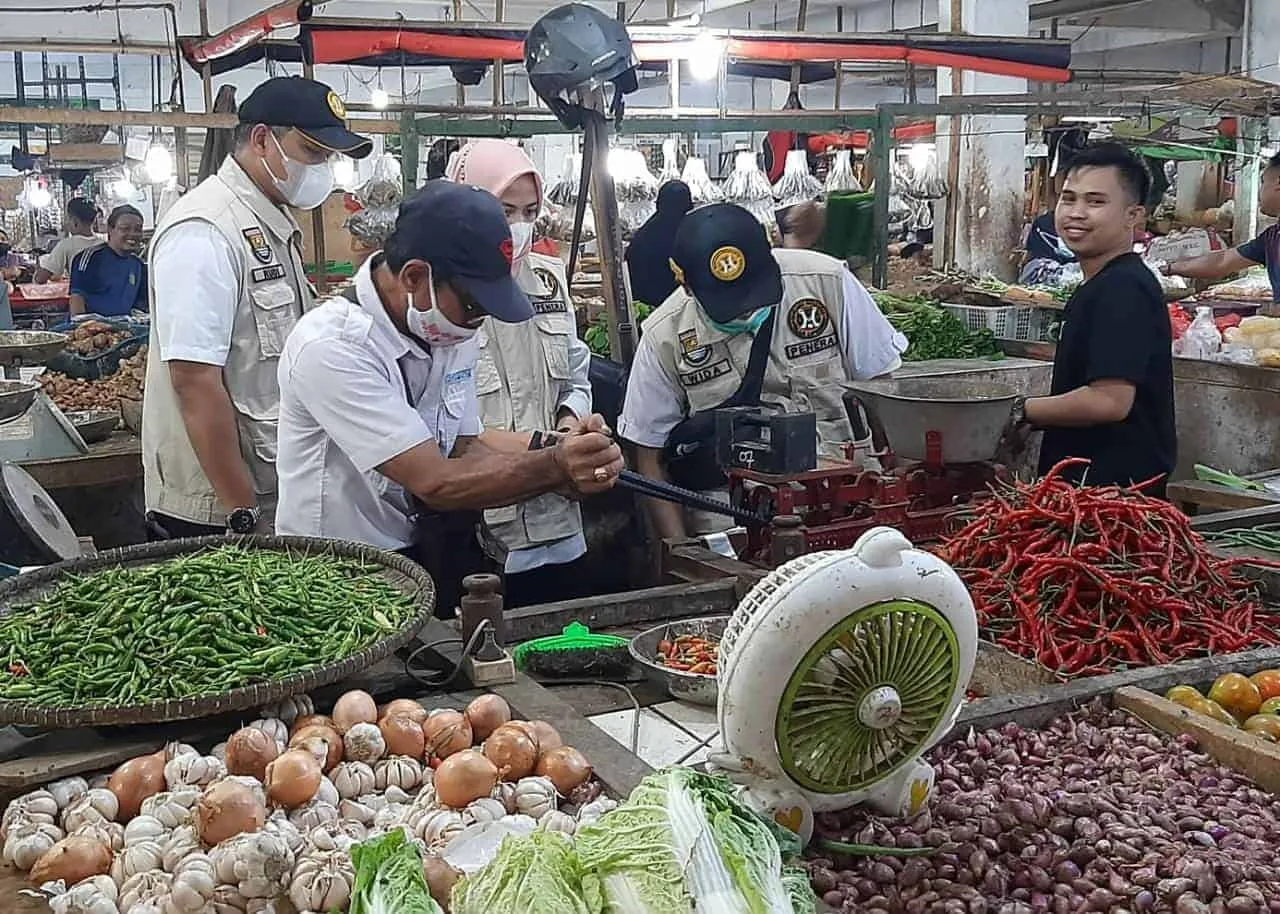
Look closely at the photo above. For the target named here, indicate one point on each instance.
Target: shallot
(136, 780)
(249, 751)
(486, 714)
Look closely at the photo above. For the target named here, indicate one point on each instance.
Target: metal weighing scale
(31, 426)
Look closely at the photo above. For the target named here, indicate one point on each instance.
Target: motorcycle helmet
(576, 48)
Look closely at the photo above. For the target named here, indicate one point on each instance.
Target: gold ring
(601, 474)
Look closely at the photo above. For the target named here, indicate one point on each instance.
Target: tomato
(1237, 694)
(1182, 694)
(1210, 708)
(1264, 725)
(1270, 706)
(1268, 683)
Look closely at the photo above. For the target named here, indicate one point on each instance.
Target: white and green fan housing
(837, 672)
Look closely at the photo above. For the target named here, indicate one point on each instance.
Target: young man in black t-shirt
(1112, 394)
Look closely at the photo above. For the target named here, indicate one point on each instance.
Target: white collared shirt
(347, 379)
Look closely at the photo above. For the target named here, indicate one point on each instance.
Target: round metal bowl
(696, 688)
(94, 424)
(16, 398)
(30, 347)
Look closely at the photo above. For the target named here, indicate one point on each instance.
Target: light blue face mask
(749, 324)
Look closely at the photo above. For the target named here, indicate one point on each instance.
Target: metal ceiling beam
(1060, 9)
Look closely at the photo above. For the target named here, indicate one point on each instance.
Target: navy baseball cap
(461, 230)
(722, 254)
(311, 108)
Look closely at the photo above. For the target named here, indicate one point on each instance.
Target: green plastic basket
(594, 650)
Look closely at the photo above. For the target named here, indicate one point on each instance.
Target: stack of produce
(1251, 703)
(92, 338)
(1089, 580)
(933, 332)
(71, 394)
(749, 187)
(1261, 334)
(796, 184)
(197, 625)
(370, 810)
(1092, 813)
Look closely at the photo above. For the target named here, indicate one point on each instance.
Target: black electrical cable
(440, 681)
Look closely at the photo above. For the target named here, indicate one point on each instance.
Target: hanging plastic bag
(841, 179)
(635, 187)
(700, 186)
(749, 187)
(1202, 339)
(564, 192)
(385, 186)
(670, 161)
(796, 184)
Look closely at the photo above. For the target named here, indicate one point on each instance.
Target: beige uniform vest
(519, 375)
(806, 362)
(273, 294)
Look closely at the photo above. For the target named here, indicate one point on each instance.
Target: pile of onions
(446, 733)
(544, 735)
(138, 779)
(293, 779)
(72, 860)
(464, 777)
(404, 707)
(486, 714)
(513, 751)
(566, 767)
(227, 809)
(323, 742)
(354, 707)
(250, 751)
(403, 735)
(310, 720)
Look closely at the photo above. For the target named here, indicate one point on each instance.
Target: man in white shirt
(378, 410)
(823, 329)
(80, 218)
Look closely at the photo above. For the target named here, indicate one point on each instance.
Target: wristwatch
(243, 520)
(1018, 414)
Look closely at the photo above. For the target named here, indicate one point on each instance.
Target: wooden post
(317, 223)
(604, 208)
(409, 152)
(206, 68)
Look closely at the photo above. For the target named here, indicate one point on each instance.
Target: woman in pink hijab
(529, 377)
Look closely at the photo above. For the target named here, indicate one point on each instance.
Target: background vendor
(80, 218)
(110, 279)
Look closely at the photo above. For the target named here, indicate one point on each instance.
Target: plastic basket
(106, 362)
(1010, 322)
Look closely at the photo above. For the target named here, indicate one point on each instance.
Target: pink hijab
(492, 164)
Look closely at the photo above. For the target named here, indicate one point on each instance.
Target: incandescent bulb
(705, 57)
(38, 196)
(379, 98)
(158, 164)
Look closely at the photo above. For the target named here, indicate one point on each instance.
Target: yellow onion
(326, 735)
(71, 860)
(354, 707)
(403, 736)
(293, 778)
(249, 751)
(486, 714)
(565, 767)
(463, 777)
(310, 720)
(136, 780)
(445, 733)
(548, 737)
(227, 809)
(404, 707)
(513, 751)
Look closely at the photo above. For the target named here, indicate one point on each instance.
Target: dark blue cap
(722, 255)
(461, 230)
(310, 107)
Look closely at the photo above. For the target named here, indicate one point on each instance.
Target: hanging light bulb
(705, 57)
(37, 195)
(344, 171)
(379, 98)
(919, 155)
(123, 189)
(158, 164)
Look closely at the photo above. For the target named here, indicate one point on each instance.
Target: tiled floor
(668, 732)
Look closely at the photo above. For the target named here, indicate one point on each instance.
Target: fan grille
(866, 697)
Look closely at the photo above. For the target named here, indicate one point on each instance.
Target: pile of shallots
(1093, 813)
(264, 822)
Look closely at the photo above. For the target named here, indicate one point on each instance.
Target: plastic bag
(749, 187)
(700, 186)
(1202, 339)
(565, 191)
(841, 179)
(796, 184)
(385, 186)
(635, 187)
(670, 161)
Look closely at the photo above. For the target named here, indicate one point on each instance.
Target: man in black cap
(227, 287)
(379, 424)
(819, 324)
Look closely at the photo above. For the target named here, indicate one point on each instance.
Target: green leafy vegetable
(535, 874)
(803, 900)
(389, 878)
(936, 334)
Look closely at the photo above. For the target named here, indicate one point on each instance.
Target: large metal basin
(968, 413)
(16, 398)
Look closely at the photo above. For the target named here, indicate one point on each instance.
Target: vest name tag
(703, 375)
(266, 274)
(810, 347)
(549, 306)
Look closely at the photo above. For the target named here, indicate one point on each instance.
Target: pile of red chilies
(1090, 580)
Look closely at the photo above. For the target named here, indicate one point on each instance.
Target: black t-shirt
(1116, 327)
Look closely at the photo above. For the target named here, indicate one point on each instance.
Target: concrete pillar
(1260, 57)
(989, 193)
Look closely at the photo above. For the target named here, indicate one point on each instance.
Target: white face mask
(433, 327)
(304, 186)
(521, 241)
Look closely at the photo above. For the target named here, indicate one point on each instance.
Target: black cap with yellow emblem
(310, 107)
(722, 255)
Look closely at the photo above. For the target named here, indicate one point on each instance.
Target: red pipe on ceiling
(242, 34)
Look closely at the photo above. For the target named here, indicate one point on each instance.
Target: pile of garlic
(89, 855)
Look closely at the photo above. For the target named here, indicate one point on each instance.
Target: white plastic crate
(1010, 322)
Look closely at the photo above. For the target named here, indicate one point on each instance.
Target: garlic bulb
(290, 709)
(505, 793)
(172, 808)
(97, 805)
(109, 833)
(364, 743)
(219, 751)
(150, 885)
(95, 895)
(227, 900)
(327, 793)
(67, 791)
(99, 780)
(356, 811)
(486, 809)
(313, 814)
(275, 728)
(37, 806)
(391, 815)
(555, 820)
(535, 796)
(278, 905)
(591, 812)
(322, 881)
(426, 797)
(144, 828)
(394, 794)
(278, 824)
(338, 835)
(181, 843)
(176, 750)
(192, 886)
(398, 771)
(193, 771)
(437, 827)
(27, 841)
(258, 864)
(140, 857)
(353, 779)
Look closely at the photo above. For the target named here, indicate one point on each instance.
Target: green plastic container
(577, 651)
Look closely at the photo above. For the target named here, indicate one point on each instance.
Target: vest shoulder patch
(258, 244)
(808, 318)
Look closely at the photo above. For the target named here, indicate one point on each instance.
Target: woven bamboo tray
(402, 573)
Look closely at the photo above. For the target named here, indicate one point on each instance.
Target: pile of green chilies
(1264, 538)
(197, 625)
